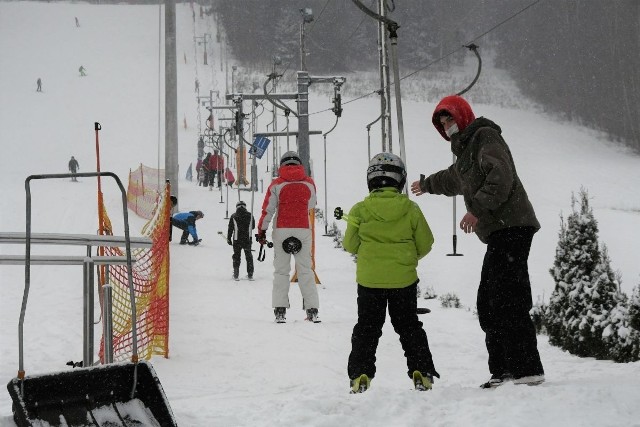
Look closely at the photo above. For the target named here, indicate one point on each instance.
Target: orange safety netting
(145, 186)
(151, 288)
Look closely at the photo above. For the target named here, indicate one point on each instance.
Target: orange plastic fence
(145, 186)
(151, 287)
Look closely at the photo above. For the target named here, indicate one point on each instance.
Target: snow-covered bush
(450, 300)
(587, 315)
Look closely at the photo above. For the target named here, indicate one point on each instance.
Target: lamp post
(307, 17)
(233, 78)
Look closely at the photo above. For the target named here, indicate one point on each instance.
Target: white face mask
(452, 130)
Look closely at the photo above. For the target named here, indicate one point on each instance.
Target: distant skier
(39, 83)
(77, 22)
(239, 236)
(82, 71)
(73, 168)
(189, 175)
(186, 221)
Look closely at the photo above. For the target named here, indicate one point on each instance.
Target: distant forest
(578, 58)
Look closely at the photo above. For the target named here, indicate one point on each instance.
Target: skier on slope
(186, 221)
(288, 201)
(73, 167)
(389, 234)
(239, 236)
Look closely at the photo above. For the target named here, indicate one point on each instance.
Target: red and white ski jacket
(289, 198)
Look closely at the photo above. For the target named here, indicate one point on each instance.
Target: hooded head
(456, 107)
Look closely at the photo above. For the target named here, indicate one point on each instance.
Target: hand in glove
(261, 237)
(229, 242)
(338, 213)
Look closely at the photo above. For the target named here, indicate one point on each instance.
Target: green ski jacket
(389, 234)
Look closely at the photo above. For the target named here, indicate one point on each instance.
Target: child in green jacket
(389, 234)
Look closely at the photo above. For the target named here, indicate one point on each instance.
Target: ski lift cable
(441, 58)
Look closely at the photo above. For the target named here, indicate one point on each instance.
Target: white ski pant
(282, 269)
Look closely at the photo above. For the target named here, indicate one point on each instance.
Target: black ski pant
(182, 226)
(372, 311)
(504, 302)
(238, 247)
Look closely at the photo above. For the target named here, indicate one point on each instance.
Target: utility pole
(274, 77)
(204, 41)
(385, 86)
(171, 97)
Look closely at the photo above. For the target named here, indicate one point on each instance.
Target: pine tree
(634, 309)
(577, 254)
(594, 309)
(587, 314)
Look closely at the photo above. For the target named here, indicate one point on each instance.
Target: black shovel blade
(99, 395)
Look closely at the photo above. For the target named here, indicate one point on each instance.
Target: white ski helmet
(290, 158)
(386, 170)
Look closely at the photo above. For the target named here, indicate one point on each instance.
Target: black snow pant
(182, 226)
(372, 311)
(504, 302)
(238, 247)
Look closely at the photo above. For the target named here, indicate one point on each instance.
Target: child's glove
(338, 213)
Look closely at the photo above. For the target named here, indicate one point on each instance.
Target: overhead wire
(441, 58)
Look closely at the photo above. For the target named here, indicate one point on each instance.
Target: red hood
(292, 173)
(459, 109)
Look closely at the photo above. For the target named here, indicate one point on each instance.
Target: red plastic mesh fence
(151, 289)
(145, 186)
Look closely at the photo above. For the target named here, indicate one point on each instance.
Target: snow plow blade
(95, 396)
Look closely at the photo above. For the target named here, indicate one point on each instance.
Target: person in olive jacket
(389, 234)
(501, 215)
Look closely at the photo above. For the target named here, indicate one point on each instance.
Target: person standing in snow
(239, 236)
(73, 167)
(39, 85)
(289, 198)
(186, 221)
(389, 235)
(217, 166)
(82, 71)
(206, 170)
(501, 215)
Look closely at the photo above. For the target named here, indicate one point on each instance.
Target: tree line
(577, 58)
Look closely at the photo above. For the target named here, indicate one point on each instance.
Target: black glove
(229, 242)
(338, 213)
(261, 237)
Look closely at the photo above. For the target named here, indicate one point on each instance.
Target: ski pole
(339, 214)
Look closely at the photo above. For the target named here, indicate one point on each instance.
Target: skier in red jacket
(289, 199)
